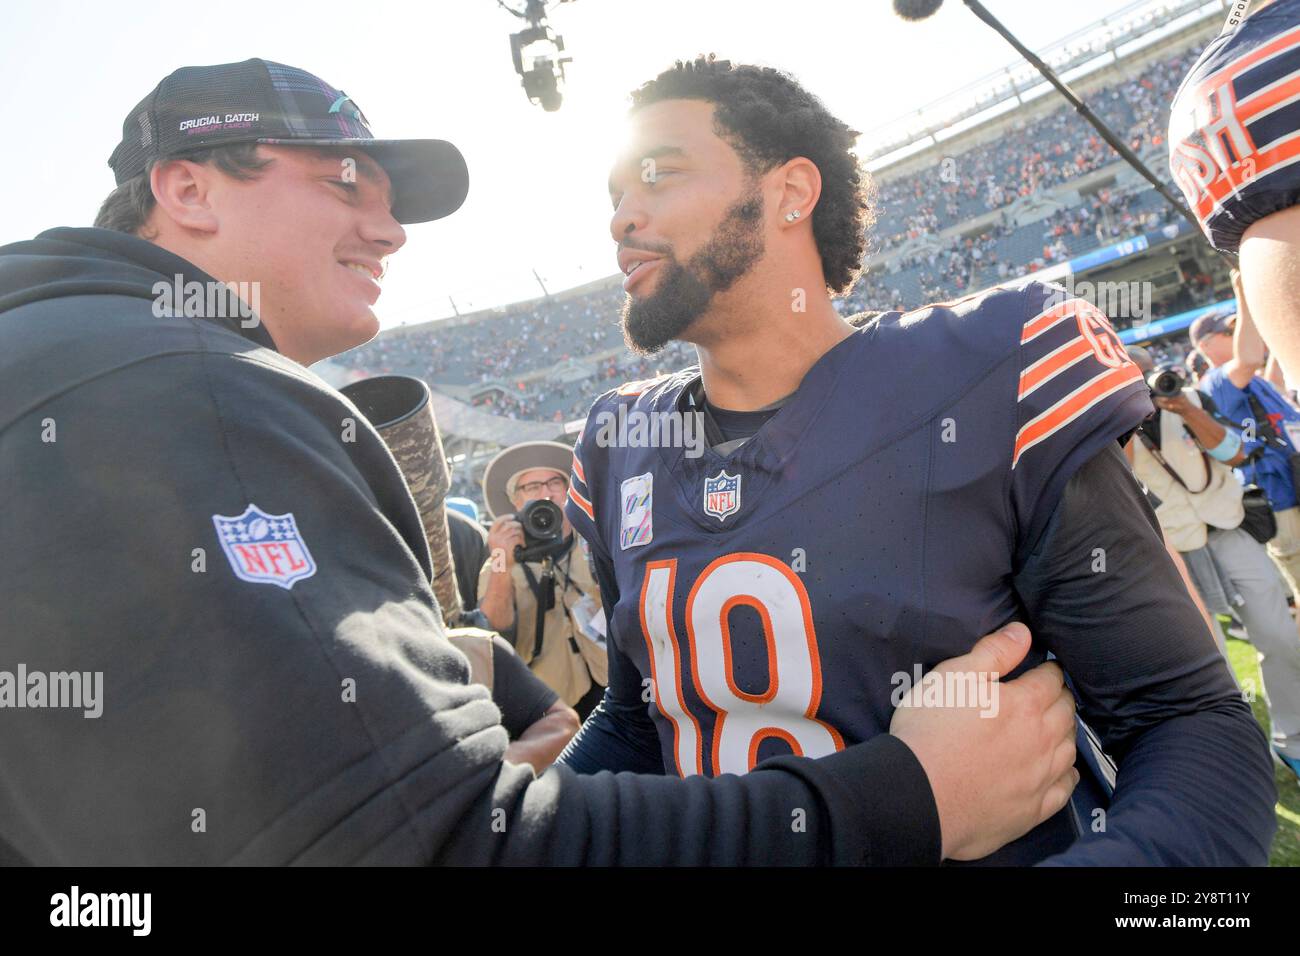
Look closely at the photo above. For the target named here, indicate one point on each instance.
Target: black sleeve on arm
(870, 804)
(522, 696)
(1195, 784)
(618, 735)
(469, 551)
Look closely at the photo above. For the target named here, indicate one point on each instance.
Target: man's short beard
(686, 291)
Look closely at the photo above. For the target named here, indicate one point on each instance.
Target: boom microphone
(920, 9)
(916, 9)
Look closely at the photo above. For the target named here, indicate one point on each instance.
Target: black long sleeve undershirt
(1195, 784)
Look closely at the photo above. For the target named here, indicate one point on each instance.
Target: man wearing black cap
(284, 137)
(199, 528)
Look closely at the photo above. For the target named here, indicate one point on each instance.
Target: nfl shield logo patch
(722, 495)
(264, 548)
(635, 525)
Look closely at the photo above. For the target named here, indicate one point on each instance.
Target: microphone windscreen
(916, 9)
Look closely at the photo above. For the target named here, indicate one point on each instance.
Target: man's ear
(800, 182)
(181, 188)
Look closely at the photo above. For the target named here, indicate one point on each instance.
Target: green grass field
(1286, 845)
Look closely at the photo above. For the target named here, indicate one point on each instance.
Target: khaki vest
(476, 644)
(566, 670)
(1184, 513)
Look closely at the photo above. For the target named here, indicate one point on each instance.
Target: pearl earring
(792, 216)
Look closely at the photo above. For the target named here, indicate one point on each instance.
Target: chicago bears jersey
(1234, 127)
(775, 600)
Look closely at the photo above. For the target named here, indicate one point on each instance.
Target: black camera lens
(1165, 383)
(541, 520)
(543, 530)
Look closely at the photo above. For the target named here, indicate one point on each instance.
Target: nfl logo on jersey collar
(722, 495)
(264, 548)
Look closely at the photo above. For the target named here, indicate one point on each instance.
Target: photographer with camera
(1271, 436)
(536, 562)
(1183, 454)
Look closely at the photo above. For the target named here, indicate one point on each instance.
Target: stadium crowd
(498, 346)
(1017, 163)
(564, 401)
(500, 343)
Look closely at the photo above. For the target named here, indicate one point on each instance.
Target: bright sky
(69, 72)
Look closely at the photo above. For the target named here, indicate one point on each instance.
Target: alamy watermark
(207, 300)
(946, 689)
(75, 908)
(638, 429)
(81, 690)
(1118, 300)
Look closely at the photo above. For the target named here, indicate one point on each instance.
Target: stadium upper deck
(1014, 195)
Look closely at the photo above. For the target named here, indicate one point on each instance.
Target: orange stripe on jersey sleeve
(1072, 406)
(581, 502)
(577, 468)
(1231, 180)
(1267, 98)
(1053, 364)
(1046, 319)
(1240, 65)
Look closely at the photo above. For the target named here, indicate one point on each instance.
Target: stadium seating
(926, 246)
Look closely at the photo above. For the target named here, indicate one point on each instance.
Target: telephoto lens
(1166, 382)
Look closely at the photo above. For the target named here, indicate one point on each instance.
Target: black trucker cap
(258, 101)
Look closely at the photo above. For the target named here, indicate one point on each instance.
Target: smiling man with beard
(875, 498)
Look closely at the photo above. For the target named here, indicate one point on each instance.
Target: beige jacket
(570, 661)
(1184, 513)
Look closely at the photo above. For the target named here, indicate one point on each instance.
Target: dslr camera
(1167, 381)
(543, 530)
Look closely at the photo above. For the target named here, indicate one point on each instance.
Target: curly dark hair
(769, 119)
